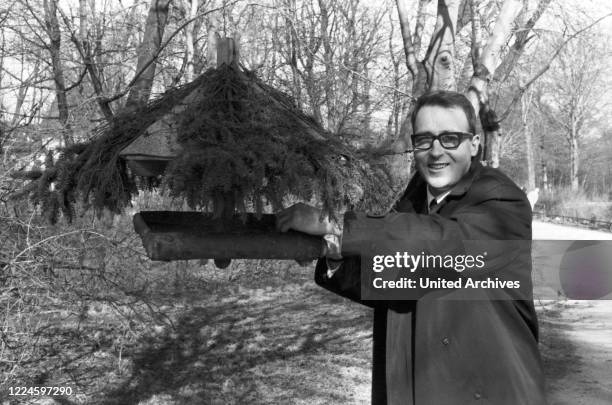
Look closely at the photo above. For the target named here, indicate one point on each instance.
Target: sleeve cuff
(332, 247)
(332, 253)
(332, 266)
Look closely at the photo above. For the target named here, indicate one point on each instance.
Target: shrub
(574, 203)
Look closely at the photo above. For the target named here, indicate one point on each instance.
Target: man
(433, 350)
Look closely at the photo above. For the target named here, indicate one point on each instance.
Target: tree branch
(522, 38)
(409, 50)
(89, 67)
(545, 68)
(78, 82)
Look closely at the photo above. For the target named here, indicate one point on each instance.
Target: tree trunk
(308, 76)
(545, 184)
(493, 147)
(439, 60)
(211, 50)
(53, 31)
(394, 117)
(21, 95)
(85, 50)
(490, 57)
(191, 9)
(292, 59)
(151, 42)
(367, 104)
(531, 178)
(409, 48)
(484, 69)
(573, 146)
(83, 20)
(329, 84)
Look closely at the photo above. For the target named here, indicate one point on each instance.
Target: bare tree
(147, 54)
(574, 95)
(328, 47)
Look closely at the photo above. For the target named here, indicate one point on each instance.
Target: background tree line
(355, 66)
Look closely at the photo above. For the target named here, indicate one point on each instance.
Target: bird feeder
(232, 145)
(168, 235)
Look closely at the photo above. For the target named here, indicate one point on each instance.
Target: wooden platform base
(172, 235)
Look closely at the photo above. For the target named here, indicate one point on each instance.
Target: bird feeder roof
(225, 138)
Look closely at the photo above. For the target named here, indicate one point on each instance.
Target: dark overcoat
(438, 352)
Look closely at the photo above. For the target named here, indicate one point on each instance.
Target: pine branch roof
(225, 142)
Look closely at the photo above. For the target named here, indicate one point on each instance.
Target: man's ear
(474, 145)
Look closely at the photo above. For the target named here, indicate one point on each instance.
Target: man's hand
(307, 219)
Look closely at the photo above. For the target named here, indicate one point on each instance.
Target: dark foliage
(244, 146)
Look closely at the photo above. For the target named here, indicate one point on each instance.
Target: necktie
(432, 205)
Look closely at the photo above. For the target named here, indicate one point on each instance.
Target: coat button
(477, 395)
(445, 341)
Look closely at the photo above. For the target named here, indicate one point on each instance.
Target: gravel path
(587, 366)
(547, 230)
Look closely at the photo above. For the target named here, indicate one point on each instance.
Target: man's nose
(436, 148)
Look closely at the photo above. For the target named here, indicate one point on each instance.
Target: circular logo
(586, 270)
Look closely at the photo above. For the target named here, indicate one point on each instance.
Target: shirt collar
(458, 189)
(417, 186)
(430, 197)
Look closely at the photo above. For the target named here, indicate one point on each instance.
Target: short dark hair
(446, 99)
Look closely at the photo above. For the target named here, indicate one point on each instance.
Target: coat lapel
(414, 199)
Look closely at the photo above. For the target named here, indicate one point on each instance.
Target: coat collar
(466, 181)
(417, 189)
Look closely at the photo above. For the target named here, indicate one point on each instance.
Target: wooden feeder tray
(173, 235)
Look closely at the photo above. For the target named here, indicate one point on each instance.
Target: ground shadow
(559, 352)
(220, 351)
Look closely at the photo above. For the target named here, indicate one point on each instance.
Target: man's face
(443, 168)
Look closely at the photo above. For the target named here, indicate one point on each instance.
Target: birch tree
(438, 69)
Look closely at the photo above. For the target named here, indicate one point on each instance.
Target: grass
(83, 307)
(574, 203)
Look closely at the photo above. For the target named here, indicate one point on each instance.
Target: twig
(45, 240)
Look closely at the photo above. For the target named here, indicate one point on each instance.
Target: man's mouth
(437, 166)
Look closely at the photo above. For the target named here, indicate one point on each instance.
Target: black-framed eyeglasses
(448, 139)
